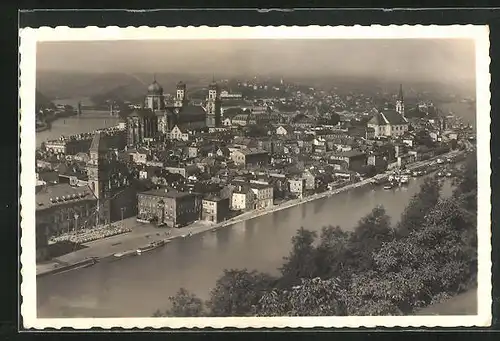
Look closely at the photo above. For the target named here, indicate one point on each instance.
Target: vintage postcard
(262, 177)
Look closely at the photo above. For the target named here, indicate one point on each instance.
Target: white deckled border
(29, 39)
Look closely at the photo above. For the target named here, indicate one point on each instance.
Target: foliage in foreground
(375, 270)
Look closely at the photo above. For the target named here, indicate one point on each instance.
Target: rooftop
(388, 117)
(98, 144)
(252, 151)
(350, 153)
(54, 195)
(166, 193)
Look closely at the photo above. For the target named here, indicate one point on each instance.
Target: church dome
(155, 89)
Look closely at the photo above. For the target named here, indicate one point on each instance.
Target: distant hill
(105, 86)
(41, 101)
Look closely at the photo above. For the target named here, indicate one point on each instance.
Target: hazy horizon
(408, 59)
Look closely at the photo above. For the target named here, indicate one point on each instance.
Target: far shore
(105, 249)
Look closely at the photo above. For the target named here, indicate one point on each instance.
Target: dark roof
(211, 197)
(166, 193)
(259, 185)
(388, 117)
(231, 112)
(98, 144)
(49, 176)
(350, 153)
(191, 110)
(187, 110)
(143, 112)
(252, 151)
(394, 117)
(51, 196)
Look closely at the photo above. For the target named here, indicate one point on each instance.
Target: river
(137, 286)
(89, 121)
(460, 109)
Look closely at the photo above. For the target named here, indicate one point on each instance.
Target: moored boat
(150, 247)
(404, 179)
(388, 186)
(125, 254)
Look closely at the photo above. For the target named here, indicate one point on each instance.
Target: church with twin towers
(158, 116)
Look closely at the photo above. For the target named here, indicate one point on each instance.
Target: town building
(284, 130)
(184, 170)
(169, 207)
(177, 134)
(297, 187)
(250, 157)
(388, 123)
(354, 159)
(215, 209)
(264, 194)
(157, 118)
(62, 208)
(230, 95)
(242, 199)
(141, 124)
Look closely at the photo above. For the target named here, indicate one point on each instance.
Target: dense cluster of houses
(244, 163)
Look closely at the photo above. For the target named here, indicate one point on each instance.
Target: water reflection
(210, 240)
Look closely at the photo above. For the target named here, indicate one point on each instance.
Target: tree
(430, 261)
(313, 297)
(414, 214)
(467, 183)
(331, 252)
(158, 313)
(185, 304)
(237, 292)
(300, 263)
(422, 137)
(369, 234)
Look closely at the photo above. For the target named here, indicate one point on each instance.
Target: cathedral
(157, 117)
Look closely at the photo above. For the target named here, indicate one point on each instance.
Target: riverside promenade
(142, 234)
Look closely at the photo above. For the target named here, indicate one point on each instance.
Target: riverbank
(143, 234)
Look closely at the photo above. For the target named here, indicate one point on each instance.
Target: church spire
(154, 77)
(400, 104)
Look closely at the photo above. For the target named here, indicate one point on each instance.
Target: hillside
(105, 86)
(42, 101)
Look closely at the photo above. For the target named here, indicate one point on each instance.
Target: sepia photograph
(255, 177)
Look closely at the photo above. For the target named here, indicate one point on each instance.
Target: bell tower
(180, 95)
(98, 177)
(400, 104)
(213, 106)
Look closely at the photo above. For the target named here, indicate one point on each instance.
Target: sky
(415, 59)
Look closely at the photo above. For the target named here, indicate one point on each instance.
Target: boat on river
(404, 179)
(388, 187)
(150, 247)
(125, 254)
